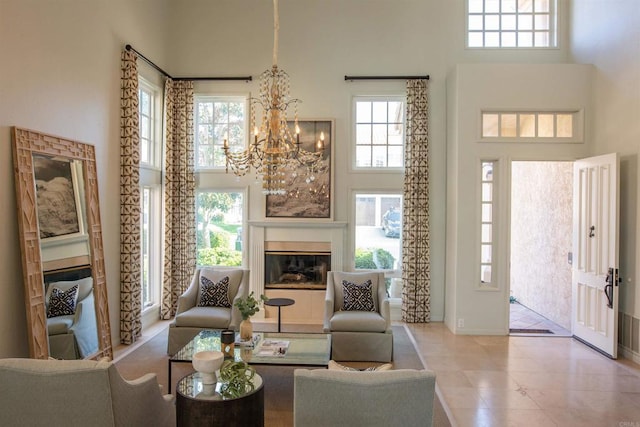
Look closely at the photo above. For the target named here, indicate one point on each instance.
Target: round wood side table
(199, 404)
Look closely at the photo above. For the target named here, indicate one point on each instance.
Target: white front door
(595, 252)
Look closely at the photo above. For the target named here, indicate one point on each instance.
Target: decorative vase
(246, 330)
(207, 363)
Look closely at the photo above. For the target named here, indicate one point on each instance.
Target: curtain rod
(163, 72)
(351, 78)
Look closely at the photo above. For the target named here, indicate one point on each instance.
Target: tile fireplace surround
(294, 235)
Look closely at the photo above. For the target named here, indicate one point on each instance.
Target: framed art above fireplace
(309, 192)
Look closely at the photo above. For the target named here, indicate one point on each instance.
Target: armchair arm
(140, 402)
(383, 301)
(329, 301)
(188, 299)
(85, 327)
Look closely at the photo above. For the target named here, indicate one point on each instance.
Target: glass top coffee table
(271, 348)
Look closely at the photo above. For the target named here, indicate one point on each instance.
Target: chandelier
(274, 153)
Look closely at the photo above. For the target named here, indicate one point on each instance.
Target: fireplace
(296, 265)
(296, 269)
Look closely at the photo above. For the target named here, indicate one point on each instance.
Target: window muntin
(219, 233)
(488, 227)
(379, 132)
(218, 118)
(511, 23)
(557, 126)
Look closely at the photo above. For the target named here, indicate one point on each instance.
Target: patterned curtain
(416, 254)
(180, 224)
(130, 287)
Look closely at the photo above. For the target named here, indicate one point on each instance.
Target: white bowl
(207, 363)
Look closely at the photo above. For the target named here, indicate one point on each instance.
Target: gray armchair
(79, 393)
(192, 318)
(324, 397)
(358, 335)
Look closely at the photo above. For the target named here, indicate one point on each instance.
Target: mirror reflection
(61, 242)
(64, 246)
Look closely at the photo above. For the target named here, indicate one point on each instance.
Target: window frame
(388, 273)
(154, 149)
(155, 262)
(577, 126)
(208, 97)
(552, 32)
(495, 224)
(354, 146)
(151, 180)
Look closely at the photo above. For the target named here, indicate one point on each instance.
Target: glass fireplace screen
(296, 270)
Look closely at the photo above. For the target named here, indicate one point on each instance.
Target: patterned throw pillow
(358, 297)
(214, 294)
(62, 303)
(335, 366)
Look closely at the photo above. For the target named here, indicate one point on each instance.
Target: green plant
(371, 259)
(364, 259)
(219, 256)
(249, 306)
(237, 379)
(383, 259)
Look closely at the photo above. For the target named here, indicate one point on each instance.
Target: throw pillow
(333, 365)
(214, 294)
(358, 297)
(62, 303)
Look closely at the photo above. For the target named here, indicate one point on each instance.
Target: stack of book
(257, 337)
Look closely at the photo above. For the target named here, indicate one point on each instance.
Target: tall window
(150, 111)
(216, 119)
(512, 23)
(220, 234)
(378, 232)
(379, 132)
(487, 224)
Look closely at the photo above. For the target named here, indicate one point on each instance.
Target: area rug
(278, 380)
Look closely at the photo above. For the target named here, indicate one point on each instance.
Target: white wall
(321, 41)
(60, 74)
(607, 34)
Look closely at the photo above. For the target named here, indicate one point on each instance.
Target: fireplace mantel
(298, 224)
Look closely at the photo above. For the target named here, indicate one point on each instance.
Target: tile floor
(524, 318)
(528, 380)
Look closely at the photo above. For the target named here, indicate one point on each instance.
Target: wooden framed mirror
(71, 245)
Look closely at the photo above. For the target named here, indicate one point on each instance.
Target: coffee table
(287, 349)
